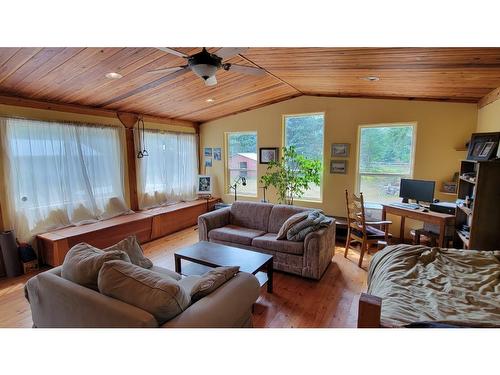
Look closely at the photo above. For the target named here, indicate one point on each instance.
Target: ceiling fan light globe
(204, 71)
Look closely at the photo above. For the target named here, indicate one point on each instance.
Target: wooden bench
(145, 225)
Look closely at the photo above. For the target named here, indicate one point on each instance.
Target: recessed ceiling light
(114, 75)
(371, 78)
(210, 100)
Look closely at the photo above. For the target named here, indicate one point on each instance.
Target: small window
(306, 134)
(386, 154)
(242, 161)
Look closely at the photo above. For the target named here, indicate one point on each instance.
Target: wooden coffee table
(215, 255)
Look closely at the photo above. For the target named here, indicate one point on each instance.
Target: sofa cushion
(290, 222)
(158, 294)
(279, 214)
(250, 215)
(131, 246)
(166, 271)
(83, 262)
(269, 242)
(200, 286)
(236, 234)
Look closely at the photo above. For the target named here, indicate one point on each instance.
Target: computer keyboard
(410, 206)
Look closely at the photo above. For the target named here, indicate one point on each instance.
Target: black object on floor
(12, 264)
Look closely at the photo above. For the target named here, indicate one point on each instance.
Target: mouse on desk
(425, 210)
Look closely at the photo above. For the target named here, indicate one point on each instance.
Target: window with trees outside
(306, 133)
(386, 154)
(241, 161)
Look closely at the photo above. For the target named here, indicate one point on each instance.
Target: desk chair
(363, 231)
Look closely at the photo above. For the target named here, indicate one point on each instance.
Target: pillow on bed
(290, 222)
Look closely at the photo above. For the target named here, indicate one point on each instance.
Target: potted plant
(291, 175)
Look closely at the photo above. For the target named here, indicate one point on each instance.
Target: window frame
(227, 181)
(384, 125)
(283, 142)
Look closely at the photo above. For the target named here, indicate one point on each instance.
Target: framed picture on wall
(340, 150)
(217, 153)
(268, 154)
(338, 166)
(204, 185)
(208, 152)
(208, 162)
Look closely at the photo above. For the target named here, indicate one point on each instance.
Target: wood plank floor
(296, 302)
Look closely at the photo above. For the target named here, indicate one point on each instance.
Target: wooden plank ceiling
(77, 76)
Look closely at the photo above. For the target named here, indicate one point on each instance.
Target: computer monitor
(418, 190)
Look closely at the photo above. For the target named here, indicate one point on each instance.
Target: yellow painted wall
(441, 127)
(488, 118)
(50, 115)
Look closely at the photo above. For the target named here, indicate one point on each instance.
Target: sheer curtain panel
(168, 174)
(60, 174)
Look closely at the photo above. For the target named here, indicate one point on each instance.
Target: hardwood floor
(296, 302)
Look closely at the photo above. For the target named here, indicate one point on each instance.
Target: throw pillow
(131, 246)
(291, 221)
(211, 280)
(160, 295)
(83, 262)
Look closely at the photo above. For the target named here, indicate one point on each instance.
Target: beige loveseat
(254, 226)
(58, 303)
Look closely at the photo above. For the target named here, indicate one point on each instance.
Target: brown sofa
(254, 226)
(59, 303)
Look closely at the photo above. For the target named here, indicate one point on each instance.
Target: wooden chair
(362, 231)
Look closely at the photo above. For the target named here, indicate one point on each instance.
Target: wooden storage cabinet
(145, 225)
(483, 215)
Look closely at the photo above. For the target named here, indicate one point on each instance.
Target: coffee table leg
(177, 263)
(270, 276)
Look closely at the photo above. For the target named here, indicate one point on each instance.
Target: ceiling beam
(85, 110)
(492, 96)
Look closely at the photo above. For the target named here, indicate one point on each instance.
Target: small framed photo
(338, 166)
(208, 152)
(268, 154)
(217, 153)
(204, 185)
(483, 146)
(208, 162)
(340, 150)
(449, 187)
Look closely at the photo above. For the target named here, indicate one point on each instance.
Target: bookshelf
(480, 181)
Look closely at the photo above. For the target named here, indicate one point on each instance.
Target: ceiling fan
(205, 64)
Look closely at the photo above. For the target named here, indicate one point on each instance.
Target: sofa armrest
(212, 220)
(318, 251)
(58, 303)
(230, 306)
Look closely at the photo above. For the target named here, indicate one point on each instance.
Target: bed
(411, 285)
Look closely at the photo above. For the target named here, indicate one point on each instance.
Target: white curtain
(168, 174)
(60, 174)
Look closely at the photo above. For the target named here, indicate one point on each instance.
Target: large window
(58, 174)
(386, 155)
(306, 134)
(168, 173)
(241, 161)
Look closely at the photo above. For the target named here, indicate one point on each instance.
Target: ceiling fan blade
(173, 52)
(247, 70)
(227, 52)
(211, 81)
(168, 70)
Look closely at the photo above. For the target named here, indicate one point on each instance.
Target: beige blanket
(418, 283)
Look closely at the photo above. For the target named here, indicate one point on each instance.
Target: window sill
(310, 200)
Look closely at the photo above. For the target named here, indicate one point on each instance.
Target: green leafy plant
(292, 175)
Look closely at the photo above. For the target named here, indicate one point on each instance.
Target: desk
(442, 220)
